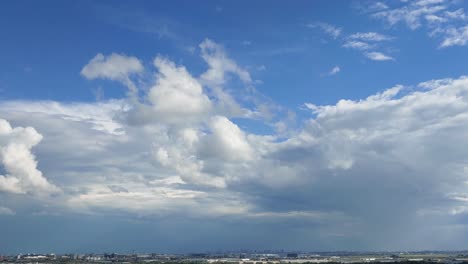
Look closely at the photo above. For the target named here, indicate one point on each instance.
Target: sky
(195, 126)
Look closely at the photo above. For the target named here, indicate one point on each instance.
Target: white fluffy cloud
(228, 140)
(384, 119)
(199, 157)
(177, 96)
(113, 67)
(350, 161)
(19, 163)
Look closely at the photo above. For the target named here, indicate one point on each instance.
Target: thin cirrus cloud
(365, 42)
(358, 45)
(455, 37)
(378, 56)
(442, 19)
(334, 70)
(6, 211)
(331, 30)
(369, 37)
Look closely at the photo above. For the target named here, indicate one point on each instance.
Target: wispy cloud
(378, 56)
(6, 211)
(331, 30)
(438, 17)
(334, 71)
(246, 43)
(362, 41)
(359, 45)
(455, 37)
(369, 6)
(411, 14)
(137, 20)
(279, 51)
(366, 42)
(369, 36)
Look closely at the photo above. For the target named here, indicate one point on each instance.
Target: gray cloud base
(385, 172)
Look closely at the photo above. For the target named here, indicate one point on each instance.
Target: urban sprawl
(245, 258)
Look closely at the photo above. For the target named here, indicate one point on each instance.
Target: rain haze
(193, 126)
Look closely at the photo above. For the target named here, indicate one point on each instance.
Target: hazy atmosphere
(186, 126)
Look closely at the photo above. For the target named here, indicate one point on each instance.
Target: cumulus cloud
(19, 163)
(177, 95)
(402, 112)
(179, 154)
(362, 144)
(198, 156)
(227, 140)
(340, 170)
(176, 98)
(399, 131)
(115, 67)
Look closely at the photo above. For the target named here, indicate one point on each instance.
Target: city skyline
(195, 126)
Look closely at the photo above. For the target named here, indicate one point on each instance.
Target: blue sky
(190, 126)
